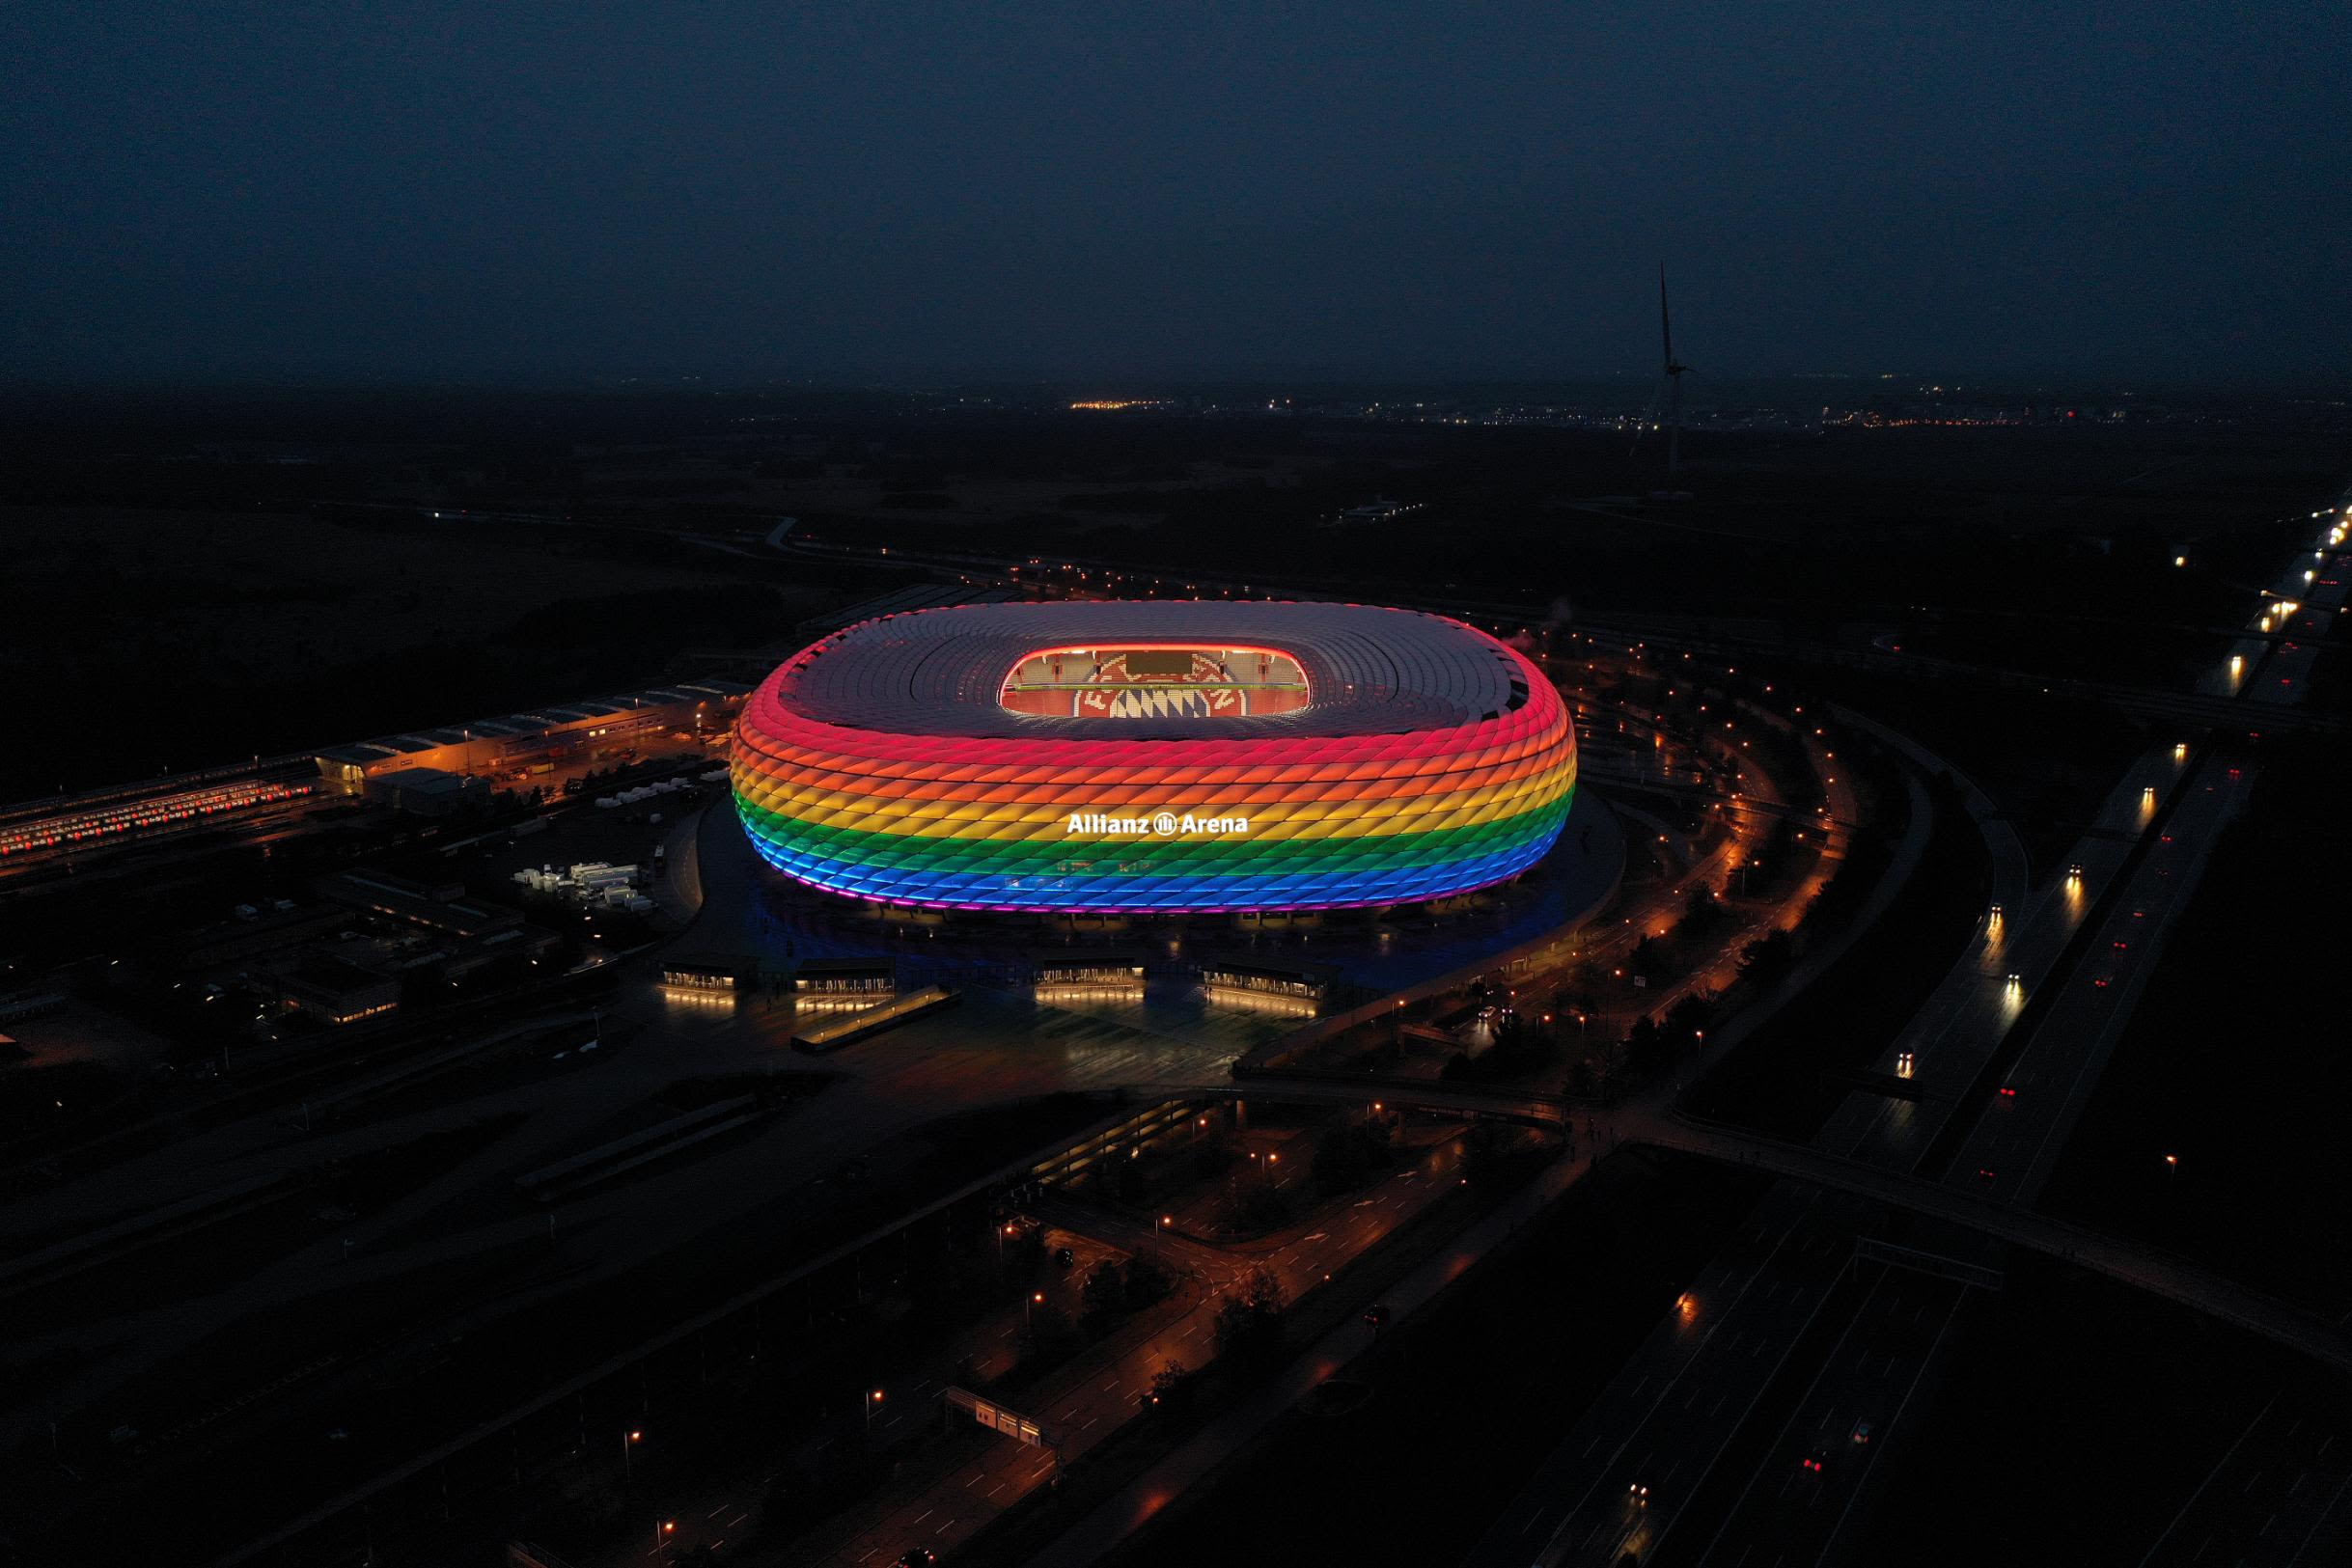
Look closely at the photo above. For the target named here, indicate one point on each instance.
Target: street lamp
(873, 1400)
(663, 1529)
(626, 1443)
(1029, 1307)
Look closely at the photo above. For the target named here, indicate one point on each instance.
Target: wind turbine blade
(1666, 322)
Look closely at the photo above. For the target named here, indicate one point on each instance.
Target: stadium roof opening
(1154, 755)
(1155, 681)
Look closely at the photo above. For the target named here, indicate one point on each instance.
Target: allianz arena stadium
(1154, 755)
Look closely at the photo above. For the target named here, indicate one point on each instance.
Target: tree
(1171, 1387)
(1257, 1208)
(1522, 1047)
(1024, 1255)
(1105, 1292)
(1147, 1282)
(1249, 1319)
(1769, 956)
(1644, 1047)
(1643, 959)
(1687, 1020)
(1047, 1328)
(1486, 1153)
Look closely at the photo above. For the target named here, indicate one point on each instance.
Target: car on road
(917, 1556)
(1377, 1315)
(1861, 1432)
(1064, 1258)
(1812, 1464)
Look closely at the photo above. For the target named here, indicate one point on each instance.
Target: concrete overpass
(2145, 1268)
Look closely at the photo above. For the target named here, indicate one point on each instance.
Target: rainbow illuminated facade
(1139, 755)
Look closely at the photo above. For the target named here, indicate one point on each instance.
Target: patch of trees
(1248, 1322)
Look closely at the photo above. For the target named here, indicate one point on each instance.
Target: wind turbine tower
(1673, 384)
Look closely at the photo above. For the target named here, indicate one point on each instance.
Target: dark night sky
(1121, 191)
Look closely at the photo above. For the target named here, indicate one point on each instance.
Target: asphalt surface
(1792, 1514)
(1710, 1409)
(1080, 1403)
(2277, 1496)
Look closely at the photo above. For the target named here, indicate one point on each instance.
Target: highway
(1801, 1488)
(2279, 1497)
(1887, 1353)
(2277, 1494)
(1620, 1477)
(2008, 1151)
(1724, 1377)
(1884, 1351)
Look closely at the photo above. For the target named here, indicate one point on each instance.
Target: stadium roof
(1369, 670)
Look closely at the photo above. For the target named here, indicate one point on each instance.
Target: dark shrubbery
(1249, 1321)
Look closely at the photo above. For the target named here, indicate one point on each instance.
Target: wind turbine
(1671, 386)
